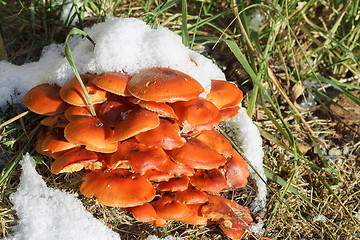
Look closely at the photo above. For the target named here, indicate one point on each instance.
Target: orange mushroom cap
(118, 188)
(236, 171)
(157, 176)
(144, 213)
(212, 181)
(166, 136)
(136, 121)
(92, 133)
(167, 208)
(196, 115)
(233, 222)
(196, 217)
(229, 113)
(197, 155)
(76, 160)
(74, 112)
(216, 141)
(191, 196)
(45, 99)
(175, 169)
(111, 111)
(114, 82)
(55, 143)
(57, 120)
(160, 108)
(224, 94)
(73, 94)
(174, 184)
(141, 157)
(164, 85)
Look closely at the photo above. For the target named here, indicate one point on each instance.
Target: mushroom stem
(72, 64)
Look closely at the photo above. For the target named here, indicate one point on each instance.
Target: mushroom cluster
(152, 146)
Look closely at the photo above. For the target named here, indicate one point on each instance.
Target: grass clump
(298, 64)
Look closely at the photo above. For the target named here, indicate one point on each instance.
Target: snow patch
(320, 218)
(46, 213)
(246, 135)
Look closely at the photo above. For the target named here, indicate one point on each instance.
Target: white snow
(255, 21)
(357, 215)
(46, 213)
(246, 135)
(122, 44)
(320, 218)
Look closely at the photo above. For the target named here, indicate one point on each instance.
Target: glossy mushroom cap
(45, 99)
(167, 208)
(76, 160)
(212, 181)
(118, 188)
(114, 82)
(216, 141)
(174, 184)
(191, 196)
(134, 122)
(141, 157)
(166, 136)
(73, 94)
(160, 108)
(164, 85)
(234, 222)
(224, 94)
(196, 115)
(198, 155)
(92, 133)
(144, 213)
(236, 171)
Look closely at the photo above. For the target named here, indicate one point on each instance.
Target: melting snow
(321, 218)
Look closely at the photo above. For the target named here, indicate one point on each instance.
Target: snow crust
(122, 44)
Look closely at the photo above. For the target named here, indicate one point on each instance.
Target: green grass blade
(283, 183)
(68, 56)
(184, 28)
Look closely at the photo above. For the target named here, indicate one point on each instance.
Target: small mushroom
(224, 94)
(91, 132)
(212, 181)
(114, 82)
(229, 113)
(167, 208)
(236, 171)
(73, 94)
(57, 120)
(196, 115)
(198, 155)
(141, 157)
(216, 141)
(166, 136)
(144, 213)
(174, 184)
(76, 160)
(191, 196)
(163, 85)
(118, 188)
(160, 108)
(45, 99)
(134, 122)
